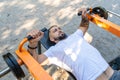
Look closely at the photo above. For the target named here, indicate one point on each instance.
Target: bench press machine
(97, 15)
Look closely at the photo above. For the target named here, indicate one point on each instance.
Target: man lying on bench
(73, 53)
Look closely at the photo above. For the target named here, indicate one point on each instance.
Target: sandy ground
(17, 17)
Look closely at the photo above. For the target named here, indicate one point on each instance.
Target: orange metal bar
(33, 66)
(105, 24)
(22, 43)
(20, 62)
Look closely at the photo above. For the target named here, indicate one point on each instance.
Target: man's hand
(37, 35)
(84, 22)
(83, 12)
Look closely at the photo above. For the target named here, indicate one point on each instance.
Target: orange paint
(105, 24)
(35, 68)
(32, 65)
(20, 62)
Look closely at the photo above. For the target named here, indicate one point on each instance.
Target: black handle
(80, 13)
(29, 37)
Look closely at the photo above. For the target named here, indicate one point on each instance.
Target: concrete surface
(17, 17)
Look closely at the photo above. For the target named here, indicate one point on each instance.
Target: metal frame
(105, 24)
(35, 68)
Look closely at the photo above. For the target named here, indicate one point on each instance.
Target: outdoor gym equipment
(97, 15)
(24, 58)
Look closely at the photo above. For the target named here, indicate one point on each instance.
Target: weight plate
(100, 11)
(20, 72)
(10, 64)
(14, 66)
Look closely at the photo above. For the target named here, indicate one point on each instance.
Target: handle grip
(80, 13)
(29, 37)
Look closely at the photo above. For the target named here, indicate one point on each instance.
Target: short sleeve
(51, 55)
(49, 52)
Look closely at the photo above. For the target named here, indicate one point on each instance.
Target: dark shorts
(115, 76)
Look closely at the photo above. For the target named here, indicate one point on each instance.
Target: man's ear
(55, 41)
(52, 39)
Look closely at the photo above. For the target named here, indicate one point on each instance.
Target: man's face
(56, 34)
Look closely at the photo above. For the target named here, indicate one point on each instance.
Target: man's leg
(115, 76)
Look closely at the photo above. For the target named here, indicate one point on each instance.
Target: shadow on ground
(17, 17)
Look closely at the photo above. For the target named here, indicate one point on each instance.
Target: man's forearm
(42, 59)
(84, 22)
(33, 51)
(84, 25)
(33, 43)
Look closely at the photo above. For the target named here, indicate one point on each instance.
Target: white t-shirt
(77, 56)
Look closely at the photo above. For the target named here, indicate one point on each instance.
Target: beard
(61, 37)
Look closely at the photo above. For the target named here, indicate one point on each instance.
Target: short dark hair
(49, 32)
(53, 43)
(51, 27)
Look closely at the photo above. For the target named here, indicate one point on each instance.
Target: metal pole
(113, 13)
(4, 71)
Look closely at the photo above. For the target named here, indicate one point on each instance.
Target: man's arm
(37, 35)
(84, 22)
(42, 59)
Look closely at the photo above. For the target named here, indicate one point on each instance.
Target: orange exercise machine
(24, 58)
(97, 15)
